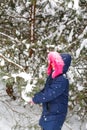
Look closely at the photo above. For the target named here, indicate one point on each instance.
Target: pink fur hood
(58, 63)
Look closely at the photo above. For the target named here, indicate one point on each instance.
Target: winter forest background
(29, 29)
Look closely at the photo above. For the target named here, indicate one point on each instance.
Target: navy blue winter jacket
(54, 98)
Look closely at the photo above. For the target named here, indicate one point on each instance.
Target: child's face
(52, 66)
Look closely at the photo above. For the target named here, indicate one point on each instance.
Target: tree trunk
(32, 21)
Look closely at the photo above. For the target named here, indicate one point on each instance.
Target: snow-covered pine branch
(10, 37)
(11, 62)
(28, 88)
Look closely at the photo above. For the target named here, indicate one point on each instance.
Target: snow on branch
(11, 62)
(12, 38)
(68, 126)
(28, 88)
(83, 45)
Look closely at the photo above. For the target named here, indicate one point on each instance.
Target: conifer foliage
(29, 29)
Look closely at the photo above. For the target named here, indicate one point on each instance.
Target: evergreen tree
(29, 29)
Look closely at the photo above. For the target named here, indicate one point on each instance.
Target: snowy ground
(14, 116)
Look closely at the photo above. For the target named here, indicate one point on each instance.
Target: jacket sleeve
(52, 91)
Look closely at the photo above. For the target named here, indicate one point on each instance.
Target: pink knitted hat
(55, 59)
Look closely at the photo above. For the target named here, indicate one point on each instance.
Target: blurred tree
(29, 29)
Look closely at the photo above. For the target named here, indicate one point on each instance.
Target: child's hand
(31, 102)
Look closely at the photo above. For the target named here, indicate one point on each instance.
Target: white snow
(61, 28)
(76, 4)
(70, 4)
(22, 75)
(4, 124)
(14, 116)
(83, 44)
(2, 62)
(70, 36)
(28, 88)
(19, 8)
(27, 4)
(83, 33)
(26, 15)
(18, 33)
(25, 97)
(53, 4)
(49, 11)
(80, 88)
(50, 7)
(86, 125)
(5, 77)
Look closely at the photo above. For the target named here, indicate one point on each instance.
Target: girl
(54, 96)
